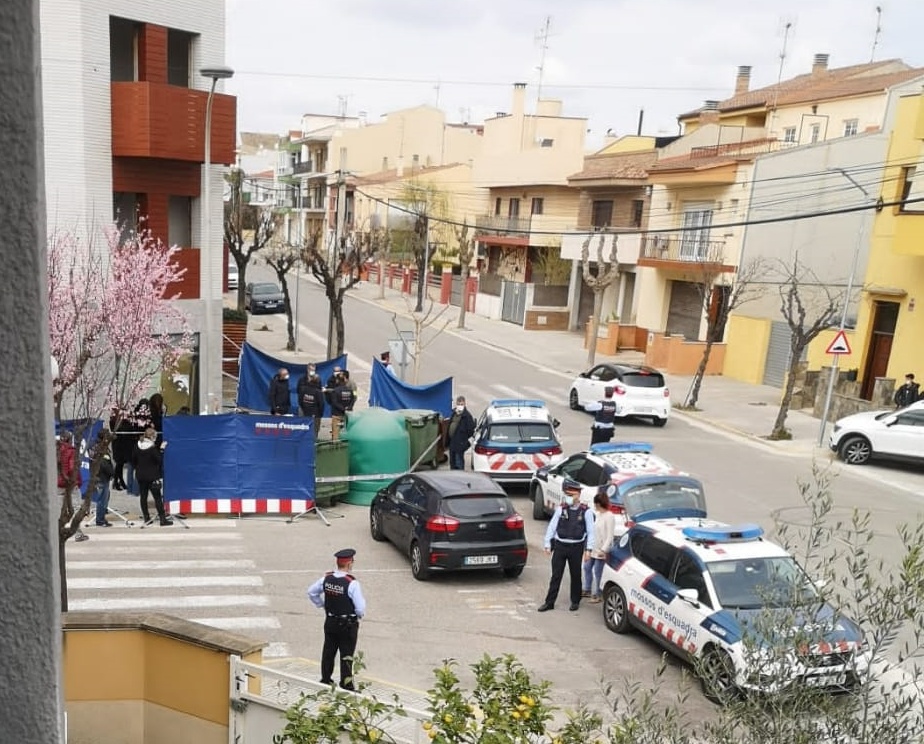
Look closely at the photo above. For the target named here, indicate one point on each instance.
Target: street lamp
(207, 349)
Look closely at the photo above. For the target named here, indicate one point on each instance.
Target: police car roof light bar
(724, 533)
(612, 448)
(517, 403)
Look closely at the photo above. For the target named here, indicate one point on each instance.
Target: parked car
(889, 434)
(513, 438)
(638, 391)
(639, 484)
(450, 520)
(263, 297)
(233, 275)
(736, 605)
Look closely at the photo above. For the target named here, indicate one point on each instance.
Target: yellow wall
(816, 357)
(746, 342)
(629, 143)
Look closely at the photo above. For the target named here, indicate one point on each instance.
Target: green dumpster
(331, 459)
(424, 433)
(378, 446)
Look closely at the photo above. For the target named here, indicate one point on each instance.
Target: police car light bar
(517, 403)
(612, 448)
(724, 533)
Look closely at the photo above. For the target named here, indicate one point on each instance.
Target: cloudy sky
(605, 59)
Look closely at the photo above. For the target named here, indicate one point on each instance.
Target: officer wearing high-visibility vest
(604, 411)
(339, 594)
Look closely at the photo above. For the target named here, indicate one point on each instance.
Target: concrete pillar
(30, 634)
(574, 294)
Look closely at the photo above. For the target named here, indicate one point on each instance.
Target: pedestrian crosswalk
(200, 574)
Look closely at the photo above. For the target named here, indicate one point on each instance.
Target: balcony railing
(689, 247)
(306, 166)
(500, 225)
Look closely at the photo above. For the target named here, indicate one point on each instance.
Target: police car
(640, 485)
(514, 438)
(732, 603)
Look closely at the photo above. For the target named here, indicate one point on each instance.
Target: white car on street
(638, 391)
(888, 434)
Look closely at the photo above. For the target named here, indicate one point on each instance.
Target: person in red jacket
(69, 471)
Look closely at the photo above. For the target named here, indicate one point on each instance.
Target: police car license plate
(480, 560)
(826, 680)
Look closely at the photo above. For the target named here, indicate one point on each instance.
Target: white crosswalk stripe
(198, 574)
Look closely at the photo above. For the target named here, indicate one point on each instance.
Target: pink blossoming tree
(113, 330)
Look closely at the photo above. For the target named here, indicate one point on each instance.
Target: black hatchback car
(264, 297)
(450, 520)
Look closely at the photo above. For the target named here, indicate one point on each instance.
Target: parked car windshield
(643, 379)
(520, 432)
(753, 583)
(266, 289)
(476, 505)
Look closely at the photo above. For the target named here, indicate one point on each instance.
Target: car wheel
(513, 571)
(717, 676)
(419, 568)
(538, 504)
(573, 401)
(855, 450)
(375, 525)
(659, 421)
(615, 609)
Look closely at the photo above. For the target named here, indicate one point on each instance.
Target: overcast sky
(606, 59)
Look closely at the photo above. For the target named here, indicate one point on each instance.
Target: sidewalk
(737, 408)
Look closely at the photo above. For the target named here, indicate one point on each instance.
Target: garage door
(685, 311)
(777, 361)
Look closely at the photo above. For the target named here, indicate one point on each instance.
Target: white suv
(893, 434)
(637, 390)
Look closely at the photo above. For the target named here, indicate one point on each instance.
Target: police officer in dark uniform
(604, 411)
(342, 399)
(341, 598)
(569, 539)
(311, 399)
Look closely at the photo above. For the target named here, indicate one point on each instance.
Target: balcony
(684, 249)
(306, 166)
(494, 228)
(156, 120)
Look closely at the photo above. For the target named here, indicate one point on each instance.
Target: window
(789, 134)
(497, 206)
(638, 210)
(125, 213)
(179, 47)
(513, 209)
(179, 221)
(123, 50)
(573, 467)
(815, 132)
(546, 142)
(912, 190)
(694, 240)
(537, 205)
(601, 213)
(592, 474)
(654, 553)
(687, 575)
(851, 127)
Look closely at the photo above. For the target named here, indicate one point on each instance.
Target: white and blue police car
(736, 606)
(514, 438)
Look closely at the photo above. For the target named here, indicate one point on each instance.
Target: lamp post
(208, 347)
(864, 219)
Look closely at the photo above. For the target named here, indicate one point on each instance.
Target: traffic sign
(839, 344)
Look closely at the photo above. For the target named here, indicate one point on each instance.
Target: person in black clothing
(459, 432)
(601, 430)
(339, 594)
(148, 461)
(341, 400)
(907, 393)
(123, 444)
(280, 400)
(311, 399)
(158, 409)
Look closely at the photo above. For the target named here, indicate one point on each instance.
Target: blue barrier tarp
(387, 391)
(258, 368)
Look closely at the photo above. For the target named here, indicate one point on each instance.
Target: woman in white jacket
(604, 531)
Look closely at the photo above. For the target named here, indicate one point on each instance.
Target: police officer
(341, 400)
(569, 539)
(601, 430)
(341, 598)
(311, 399)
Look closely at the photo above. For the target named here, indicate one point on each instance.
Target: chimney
(820, 64)
(710, 105)
(519, 99)
(709, 113)
(743, 80)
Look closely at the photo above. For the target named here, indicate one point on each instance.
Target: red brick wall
(152, 53)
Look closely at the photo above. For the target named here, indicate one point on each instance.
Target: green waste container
(331, 459)
(378, 446)
(423, 430)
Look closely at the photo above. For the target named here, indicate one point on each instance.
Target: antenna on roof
(543, 40)
(786, 28)
(876, 35)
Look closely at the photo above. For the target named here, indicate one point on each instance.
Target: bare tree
(384, 257)
(721, 294)
(423, 322)
(282, 258)
(248, 230)
(809, 306)
(467, 247)
(607, 274)
(421, 202)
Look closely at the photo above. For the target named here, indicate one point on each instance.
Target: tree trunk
(290, 326)
(336, 308)
(421, 281)
(382, 267)
(241, 285)
(62, 569)
(594, 326)
(693, 397)
(462, 309)
(779, 426)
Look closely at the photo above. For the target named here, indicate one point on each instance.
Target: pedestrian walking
(339, 594)
(280, 399)
(104, 473)
(311, 399)
(907, 393)
(69, 476)
(601, 430)
(459, 433)
(604, 532)
(569, 540)
(148, 461)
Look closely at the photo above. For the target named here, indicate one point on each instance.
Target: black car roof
(457, 482)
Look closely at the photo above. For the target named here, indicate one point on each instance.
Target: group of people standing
(339, 392)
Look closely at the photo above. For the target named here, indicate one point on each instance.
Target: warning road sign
(839, 344)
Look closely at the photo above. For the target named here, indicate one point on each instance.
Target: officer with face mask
(459, 432)
(569, 539)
